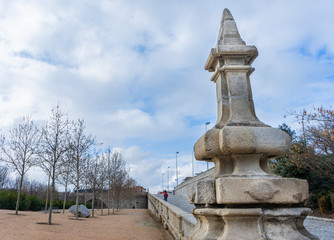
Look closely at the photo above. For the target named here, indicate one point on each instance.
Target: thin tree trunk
(102, 199)
(18, 196)
(108, 202)
(64, 204)
(109, 183)
(77, 199)
(47, 194)
(118, 200)
(51, 194)
(93, 201)
(113, 202)
(98, 203)
(86, 194)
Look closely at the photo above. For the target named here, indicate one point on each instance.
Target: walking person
(165, 195)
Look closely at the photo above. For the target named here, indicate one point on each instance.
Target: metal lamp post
(177, 178)
(168, 178)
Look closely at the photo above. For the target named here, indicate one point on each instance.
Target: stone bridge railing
(179, 222)
(181, 189)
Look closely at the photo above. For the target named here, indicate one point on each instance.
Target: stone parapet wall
(181, 189)
(178, 222)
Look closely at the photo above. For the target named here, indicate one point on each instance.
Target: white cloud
(134, 70)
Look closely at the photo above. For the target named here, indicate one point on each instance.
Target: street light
(192, 162)
(177, 178)
(206, 125)
(168, 178)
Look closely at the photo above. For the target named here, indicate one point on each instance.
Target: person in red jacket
(165, 195)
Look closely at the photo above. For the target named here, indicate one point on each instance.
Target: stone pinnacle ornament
(243, 199)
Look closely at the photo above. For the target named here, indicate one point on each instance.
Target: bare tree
(3, 176)
(116, 176)
(129, 189)
(93, 177)
(53, 147)
(101, 179)
(65, 174)
(33, 188)
(47, 170)
(80, 145)
(120, 185)
(108, 176)
(20, 150)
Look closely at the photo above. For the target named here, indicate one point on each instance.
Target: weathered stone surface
(271, 141)
(241, 139)
(83, 211)
(202, 192)
(286, 223)
(251, 223)
(237, 190)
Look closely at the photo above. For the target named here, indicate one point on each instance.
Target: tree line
(311, 155)
(68, 155)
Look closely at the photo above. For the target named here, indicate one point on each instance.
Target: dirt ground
(126, 224)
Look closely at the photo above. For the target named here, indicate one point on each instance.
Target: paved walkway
(318, 227)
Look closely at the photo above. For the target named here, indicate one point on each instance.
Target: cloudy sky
(135, 69)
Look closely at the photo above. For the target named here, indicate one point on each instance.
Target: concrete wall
(178, 222)
(137, 200)
(181, 189)
(141, 200)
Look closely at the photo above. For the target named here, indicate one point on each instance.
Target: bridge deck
(319, 227)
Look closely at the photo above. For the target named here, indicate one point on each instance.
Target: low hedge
(8, 201)
(29, 202)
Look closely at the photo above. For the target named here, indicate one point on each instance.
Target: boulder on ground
(83, 211)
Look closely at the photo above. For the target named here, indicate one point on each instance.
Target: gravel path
(317, 226)
(128, 224)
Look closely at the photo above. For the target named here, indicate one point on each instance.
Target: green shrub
(331, 195)
(324, 203)
(313, 201)
(8, 199)
(89, 205)
(57, 203)
(69, 204)
(321, 193)
(36, 204)
(24, 202)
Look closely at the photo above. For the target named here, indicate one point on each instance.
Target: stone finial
(228, 33)
(242, 193)
(236, 129)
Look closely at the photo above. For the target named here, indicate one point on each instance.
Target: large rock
(82, 211)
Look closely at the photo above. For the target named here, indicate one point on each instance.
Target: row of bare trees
(109, 180)
(63, 149)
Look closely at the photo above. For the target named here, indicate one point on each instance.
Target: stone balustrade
(179, 223)
(181, 189)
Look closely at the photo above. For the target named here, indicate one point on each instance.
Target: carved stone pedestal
(243, 199)
(250, 224)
